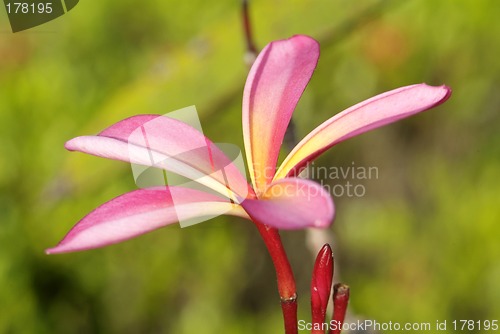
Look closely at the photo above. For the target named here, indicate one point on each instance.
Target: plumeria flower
(277, 197)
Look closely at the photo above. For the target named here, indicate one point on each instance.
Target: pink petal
(166, 143)
(292, 203)
(274, 85)
(139, 212)
(370, 114)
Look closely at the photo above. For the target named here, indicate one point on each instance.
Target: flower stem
(284, 276)
(271, 237)
(340, 301)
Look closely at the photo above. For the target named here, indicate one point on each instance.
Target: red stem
(271, 236)
(340, 301)
(284, 276)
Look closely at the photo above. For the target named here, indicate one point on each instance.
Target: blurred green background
(421, 245)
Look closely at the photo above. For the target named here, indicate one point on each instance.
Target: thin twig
(251, 50)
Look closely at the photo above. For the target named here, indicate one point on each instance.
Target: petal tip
(444, 90)
(70, 144)
(64, 247)
(59, 249)
(449, 91)
(304, 38)
(307, 43)
(50, 251)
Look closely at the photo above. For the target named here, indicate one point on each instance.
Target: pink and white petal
(139, 212)
(181, 143)
(274, 85)
(370, 114)
(292, 203)
(166, 143)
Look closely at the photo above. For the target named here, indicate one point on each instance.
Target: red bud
(321, 286)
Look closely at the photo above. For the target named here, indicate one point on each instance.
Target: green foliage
(420, 246)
